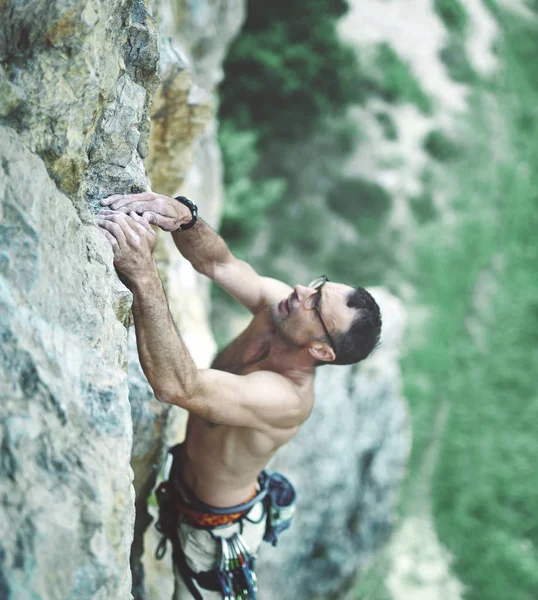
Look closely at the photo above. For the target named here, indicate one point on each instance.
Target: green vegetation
(389, 127)
(361, 202)
(454, 54)
(423, 208)
(247, 199)
(285, 138)
(453, 15)
(455, 58)
(288, 70)
(440, 146)
(289, 80)
(371, 584)
(397, 84)
(482, 350)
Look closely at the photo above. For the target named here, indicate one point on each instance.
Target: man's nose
(302, 292)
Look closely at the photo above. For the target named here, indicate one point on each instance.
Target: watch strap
(194, 212)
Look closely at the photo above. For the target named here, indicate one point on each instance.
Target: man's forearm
(164, 357)
(202, 246)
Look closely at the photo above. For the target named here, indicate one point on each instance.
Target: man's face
(301, 326)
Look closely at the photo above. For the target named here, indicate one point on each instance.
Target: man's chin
(276, 317)
(279, 320)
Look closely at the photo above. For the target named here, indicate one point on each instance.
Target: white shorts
(202, 550)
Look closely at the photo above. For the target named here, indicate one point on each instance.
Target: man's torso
(221, 463)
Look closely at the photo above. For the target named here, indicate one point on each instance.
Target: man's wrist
(147, 280)
(192, 209)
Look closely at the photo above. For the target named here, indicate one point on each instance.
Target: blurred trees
(289, 81)
(478, 279)
(286, 136)
(288, 70)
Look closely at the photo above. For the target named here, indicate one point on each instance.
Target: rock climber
(253, 399)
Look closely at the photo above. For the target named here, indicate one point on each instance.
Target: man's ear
(322, 351)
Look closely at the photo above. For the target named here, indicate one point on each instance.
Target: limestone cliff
(184, 157)
(76, 84)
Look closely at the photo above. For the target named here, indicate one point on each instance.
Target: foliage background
(293, 212)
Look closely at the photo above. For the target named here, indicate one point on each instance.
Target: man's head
(336, 323)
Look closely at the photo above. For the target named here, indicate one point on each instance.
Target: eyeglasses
(312, 303)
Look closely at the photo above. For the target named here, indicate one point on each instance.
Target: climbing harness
(235, 576)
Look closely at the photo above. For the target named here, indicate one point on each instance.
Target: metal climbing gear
(235, 573)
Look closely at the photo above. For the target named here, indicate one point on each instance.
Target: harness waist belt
(209, 518)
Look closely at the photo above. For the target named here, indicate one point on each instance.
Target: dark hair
(362, 337)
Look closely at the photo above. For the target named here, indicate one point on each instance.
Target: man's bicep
(259, 400)
(242, 282)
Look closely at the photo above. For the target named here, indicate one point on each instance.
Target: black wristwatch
(194, 212)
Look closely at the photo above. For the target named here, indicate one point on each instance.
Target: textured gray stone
(65, 429)
(76, 82)
(180, 113)
(71, 61)
(203, 29)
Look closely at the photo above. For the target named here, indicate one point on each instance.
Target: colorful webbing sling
(209, 520)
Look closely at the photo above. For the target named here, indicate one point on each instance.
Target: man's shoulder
(298, 396)
(280, 382)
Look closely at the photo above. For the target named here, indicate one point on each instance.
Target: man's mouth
(287, 303)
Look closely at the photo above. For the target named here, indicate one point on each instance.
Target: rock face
(65, 426)
(80, 77)
(76, 83)
(347, 463)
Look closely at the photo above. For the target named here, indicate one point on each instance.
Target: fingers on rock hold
(141, 221)
(110, 199)
(111, 239)
(114, 228)
(150, 217)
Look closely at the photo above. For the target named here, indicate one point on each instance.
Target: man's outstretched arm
(259, 400)
(204, 248)
(162, 353)
(262, 401)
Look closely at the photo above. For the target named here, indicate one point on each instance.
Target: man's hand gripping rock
(133, 242)
(167, 213)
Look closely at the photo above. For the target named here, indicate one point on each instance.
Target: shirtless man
(260, 388)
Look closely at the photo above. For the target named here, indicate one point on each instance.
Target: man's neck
(261, 348)
(269, 351)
